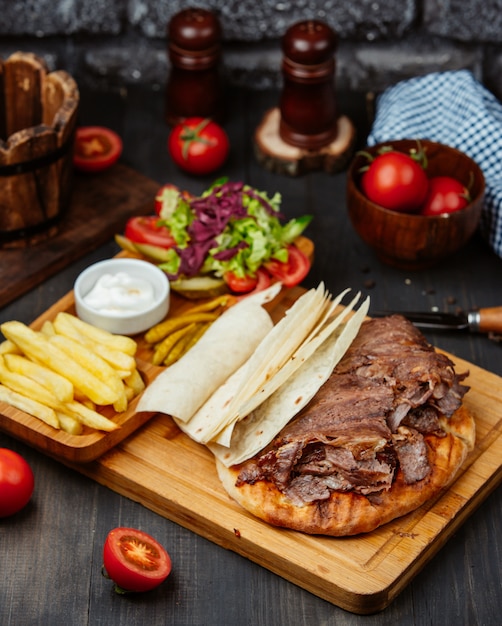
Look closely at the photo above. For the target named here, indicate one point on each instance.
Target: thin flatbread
(225, 346)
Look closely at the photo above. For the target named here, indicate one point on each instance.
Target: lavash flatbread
(225, 346)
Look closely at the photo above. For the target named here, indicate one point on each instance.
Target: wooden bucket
(38, 117)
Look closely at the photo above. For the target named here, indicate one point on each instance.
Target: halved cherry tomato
(445, 195)
(198, 145)
(16, 482)
(293, 271)
(147, 229)
(96, 148)
(395, 181)
(134, 560)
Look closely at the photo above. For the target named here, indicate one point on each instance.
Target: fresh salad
(232, 235)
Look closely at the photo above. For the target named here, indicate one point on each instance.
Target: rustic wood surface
(100, 206)
(52, 549)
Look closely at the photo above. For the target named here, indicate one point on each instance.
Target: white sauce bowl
(124, 322)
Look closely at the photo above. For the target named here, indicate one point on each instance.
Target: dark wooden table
(51, 551)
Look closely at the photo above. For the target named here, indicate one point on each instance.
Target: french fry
(120, 405)
(61, 373)
(27, 386)
(60, 386)
(134, 382)
(9, 347)
(161, 331)
(69, 424)
(93, 363)
(48, 328)
(100, 336)
(42, 349)
(121, 361)
(30, 406)
(90, 418)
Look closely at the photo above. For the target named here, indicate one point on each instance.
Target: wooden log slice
(282, 158)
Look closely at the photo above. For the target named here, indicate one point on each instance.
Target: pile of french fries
(173, 337)
(63, 373)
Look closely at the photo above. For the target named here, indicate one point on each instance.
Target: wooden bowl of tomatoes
(414, 202)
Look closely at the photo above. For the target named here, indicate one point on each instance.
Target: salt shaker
(194, 84)
(308, 104)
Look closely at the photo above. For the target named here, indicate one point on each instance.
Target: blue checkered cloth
(455, 109)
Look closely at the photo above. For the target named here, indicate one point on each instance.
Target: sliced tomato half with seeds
(96, 148)
(134, 560)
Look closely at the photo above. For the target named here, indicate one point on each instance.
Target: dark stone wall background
(118, 42)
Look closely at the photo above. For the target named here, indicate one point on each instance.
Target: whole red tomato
(445, 195)
(134, 560)
(395, 181)
(198, 145)
(16, 482)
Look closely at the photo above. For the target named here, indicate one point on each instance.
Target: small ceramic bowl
(131, 296)
(411, 241)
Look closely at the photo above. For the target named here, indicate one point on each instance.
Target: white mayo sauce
(120, 294)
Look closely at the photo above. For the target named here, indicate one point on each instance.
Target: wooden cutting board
(99, 207)
(167, 472)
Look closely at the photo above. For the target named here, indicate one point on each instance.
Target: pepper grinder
(308, 100)
(194, 50)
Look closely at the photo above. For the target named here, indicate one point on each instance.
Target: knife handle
(490, 319)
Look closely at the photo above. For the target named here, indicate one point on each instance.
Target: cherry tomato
(293, 271)
(445, 195)
(16, 482)
(96, 148)
(395, 181)
(198, 145)
(134, 560)
(146, 229)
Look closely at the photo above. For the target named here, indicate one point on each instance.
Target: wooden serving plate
(163, 469)
(76, 448)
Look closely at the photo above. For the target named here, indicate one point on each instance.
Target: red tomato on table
(134, 560)
(293, 271)
(198, 145)
(445, 195)
(147, 229)
(395, 181)
(16, 482)
(96, 148)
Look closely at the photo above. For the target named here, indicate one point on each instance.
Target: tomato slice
(239, 284)
(293, 271)
(147, 229)
(96, 148)
(134, 560)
